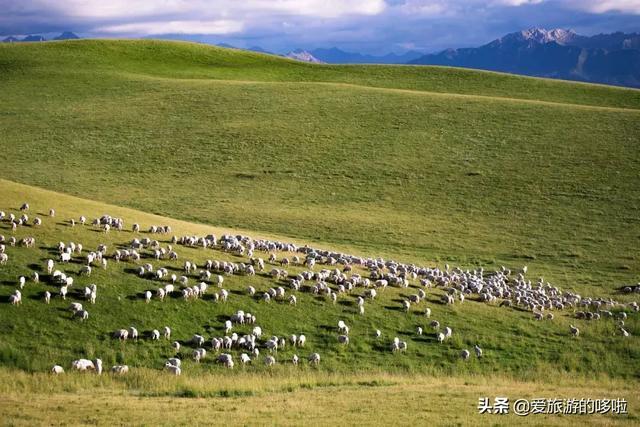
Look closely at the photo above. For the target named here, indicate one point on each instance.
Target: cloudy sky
(372, 26)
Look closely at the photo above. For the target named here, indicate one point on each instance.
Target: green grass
(513, 342)
(467, 167)
(422, 164)
(312, 398)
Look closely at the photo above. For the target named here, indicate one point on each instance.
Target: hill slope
(540, 346)
(423, 163)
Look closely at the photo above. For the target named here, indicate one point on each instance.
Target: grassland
(147, 398)
(423, 164)
(513, 342)
(415, 162)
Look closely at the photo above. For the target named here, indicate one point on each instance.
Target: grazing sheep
(406, 305)
(478, 351)
(293, 300)
(197, 340)
(22, 281)
(314, 358)
(269, 361)
(295, 359)
(147, 296)
(57, 370)
(133, 333)
(4, 258)
(199, 354)
(225, 359)
(155, 335)
(35, 277)
(427, 312)
(47, 297)
(574, 331)
(440, 337)
(52, 213)
(81, 314)
(166, 332)
(176, 346)
(121, 334)
(343, 339)
(448, 332)
(50, 265)
(63, 292)
(120, 369)
(465, 354)
(419, 330)
(244, 358)
(174, 361)
(378, 334)
(175, 370)
(82, 365)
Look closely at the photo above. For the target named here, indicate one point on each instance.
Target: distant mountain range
(605, 58)
(67, 35)
(303, 55)
(338, 56)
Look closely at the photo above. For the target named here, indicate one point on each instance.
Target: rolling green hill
(513, 342)
(421, 164)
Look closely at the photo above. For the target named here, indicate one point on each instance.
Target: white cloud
(127, 9)
(603, 6)
(174, 27)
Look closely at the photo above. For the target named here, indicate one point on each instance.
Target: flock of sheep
(327, 274)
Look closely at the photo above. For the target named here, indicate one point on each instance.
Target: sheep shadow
(394, 308)
(38, 296)
(4, 299)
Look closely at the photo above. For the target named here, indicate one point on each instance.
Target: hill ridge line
(400, 90)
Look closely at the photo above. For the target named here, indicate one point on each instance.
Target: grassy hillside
(423, 163)
(513, 342)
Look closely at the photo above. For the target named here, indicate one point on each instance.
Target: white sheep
(225, 359)
(343, 339)
(465, 354)
(81, 314)
(175, 370)
(147, 296)
(295, 359)
(199, 354)
(133, 333)
(47, 297)
(121, 334)
(574, 331)
(120, 369)
(301, 340)
(269, 361)
(478, 351)
(174, 361)
(166, 332)
(57, 370)
(155, 335)
(176, 346)
(314, 358)
(244, 358)
(197, 340)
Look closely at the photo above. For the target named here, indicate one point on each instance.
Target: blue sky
(370, 26)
